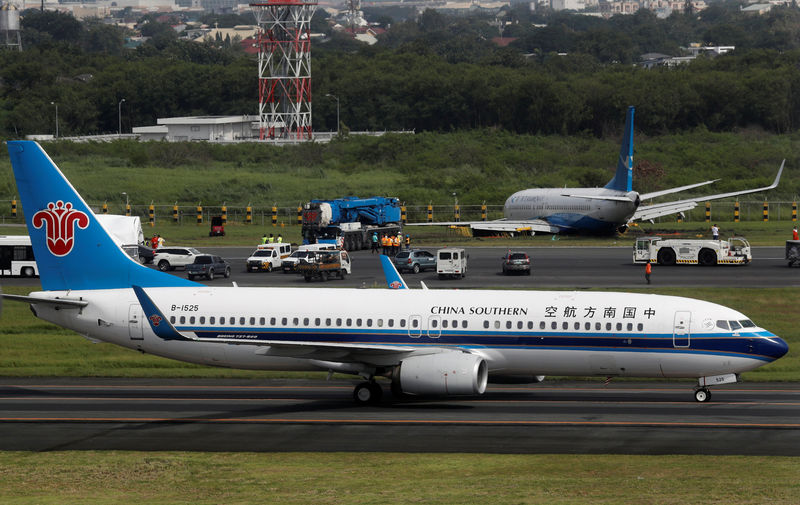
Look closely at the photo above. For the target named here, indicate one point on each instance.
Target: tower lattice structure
(284, 68)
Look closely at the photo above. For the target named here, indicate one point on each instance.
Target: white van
(268, 257)
(451, 262)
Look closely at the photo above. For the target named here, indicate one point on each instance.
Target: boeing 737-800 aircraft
(592, 210)
(440, 342)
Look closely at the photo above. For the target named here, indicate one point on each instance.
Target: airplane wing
(664, 209)
(500, 225)
(656, 194)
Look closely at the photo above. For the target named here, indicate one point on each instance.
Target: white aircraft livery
(426, 342)
(592, 210)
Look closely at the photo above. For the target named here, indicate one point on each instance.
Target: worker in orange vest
(647, 271)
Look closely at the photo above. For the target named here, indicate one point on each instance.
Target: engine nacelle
(447, 373)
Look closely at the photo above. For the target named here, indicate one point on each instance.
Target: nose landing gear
(702, 395)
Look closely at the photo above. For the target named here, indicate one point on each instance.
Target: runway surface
(296, 415)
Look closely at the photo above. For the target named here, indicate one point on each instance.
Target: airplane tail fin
(72, 249)
(623, 179)
(393, 278)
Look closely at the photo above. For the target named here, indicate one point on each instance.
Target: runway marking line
(481, 401)
(398, 422)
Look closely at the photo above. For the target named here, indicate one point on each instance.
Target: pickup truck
(208, 266)
(324, 264)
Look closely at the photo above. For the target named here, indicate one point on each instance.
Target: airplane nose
(775, 347)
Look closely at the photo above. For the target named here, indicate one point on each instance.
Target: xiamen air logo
(155, 319)
(59, 220)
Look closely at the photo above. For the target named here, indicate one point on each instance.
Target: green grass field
(95, 478)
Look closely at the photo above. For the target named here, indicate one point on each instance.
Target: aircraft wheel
(702, 395)
(367, 393)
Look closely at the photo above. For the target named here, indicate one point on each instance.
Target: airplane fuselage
(516, 333)
(592, 210)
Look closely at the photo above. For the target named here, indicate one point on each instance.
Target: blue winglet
(393, 279)
(158, 321)
(72, 249)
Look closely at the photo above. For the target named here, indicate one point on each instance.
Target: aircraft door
(415, 326)
(681, 335)
(135, 329)
(434, 326)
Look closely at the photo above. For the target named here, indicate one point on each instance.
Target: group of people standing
(390, 244)
(272, 240)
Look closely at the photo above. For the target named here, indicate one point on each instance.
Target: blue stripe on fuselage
(714, 344)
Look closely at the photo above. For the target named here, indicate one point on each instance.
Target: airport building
(207, 128)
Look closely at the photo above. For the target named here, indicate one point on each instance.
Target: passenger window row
(565, 325)
(294, 321)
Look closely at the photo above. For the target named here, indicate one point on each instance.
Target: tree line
(431, 73)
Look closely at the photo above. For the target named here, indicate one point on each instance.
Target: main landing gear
(367, 393)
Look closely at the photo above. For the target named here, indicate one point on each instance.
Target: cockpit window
(746, 323)
(723, 324)
(735, 325)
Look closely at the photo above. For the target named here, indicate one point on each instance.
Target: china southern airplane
(599, 211)
(426, 342)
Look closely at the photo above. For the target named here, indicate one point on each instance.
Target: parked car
(170, 258)
(268, 257)
(516, 262)
(415, 260)
(208, 266)
(139, 252)
(451, 262)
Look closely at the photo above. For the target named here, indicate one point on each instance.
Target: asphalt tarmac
(557, 267)
(553, 267)
(558, 417)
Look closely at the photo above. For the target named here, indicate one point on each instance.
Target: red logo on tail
(59, 221)
(155, 319)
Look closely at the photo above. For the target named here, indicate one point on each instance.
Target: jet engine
(447, 373)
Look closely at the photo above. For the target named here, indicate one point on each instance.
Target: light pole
(53, 103)
(127, 204)
(337, 110)
(119, 115)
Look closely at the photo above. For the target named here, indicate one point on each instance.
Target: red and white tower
(284, 68)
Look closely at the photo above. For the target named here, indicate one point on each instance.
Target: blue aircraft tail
(72, 249)
(623, 179)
